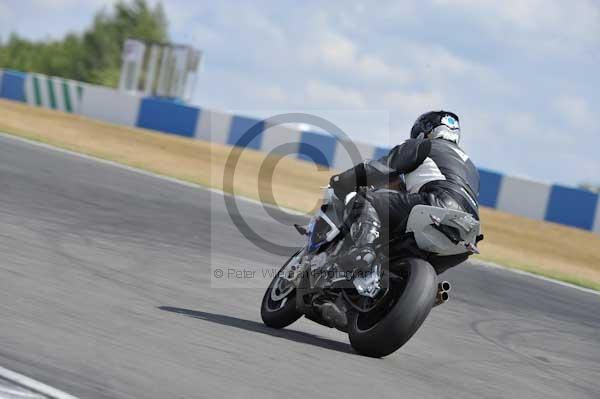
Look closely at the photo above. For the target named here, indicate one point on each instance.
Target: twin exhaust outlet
(442, 296)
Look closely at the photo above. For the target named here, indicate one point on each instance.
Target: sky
(521, 74)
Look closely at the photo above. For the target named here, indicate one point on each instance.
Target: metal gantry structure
(159, 69)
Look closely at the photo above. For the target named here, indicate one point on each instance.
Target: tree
(95, 55)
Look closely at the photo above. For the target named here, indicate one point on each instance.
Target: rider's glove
(349, 180)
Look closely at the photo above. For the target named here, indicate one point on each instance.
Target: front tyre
(377, 335)
(278, 307)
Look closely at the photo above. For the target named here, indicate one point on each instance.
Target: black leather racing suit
(436, 172)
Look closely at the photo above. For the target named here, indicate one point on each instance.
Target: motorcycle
(380, 306)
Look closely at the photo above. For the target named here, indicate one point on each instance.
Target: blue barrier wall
(318, 148)
(489, 187)
(572, 207)
(246, 132)
(13, 86)
(167, 116)
(568, 206)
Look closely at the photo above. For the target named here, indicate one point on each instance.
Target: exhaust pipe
(442, 295)
(444, 286)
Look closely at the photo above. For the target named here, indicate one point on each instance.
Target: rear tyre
(278, 307)
(382, 332)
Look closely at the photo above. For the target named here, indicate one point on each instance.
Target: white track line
(253, 201)
(483, 263)
(34, 385)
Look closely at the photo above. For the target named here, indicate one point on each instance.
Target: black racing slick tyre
(382, 332)
(278, 307)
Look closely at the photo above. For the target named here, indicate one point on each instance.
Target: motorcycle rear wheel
(407, 309)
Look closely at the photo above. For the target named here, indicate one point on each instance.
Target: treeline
(93, 56)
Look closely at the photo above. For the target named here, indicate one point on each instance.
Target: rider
(436, 172)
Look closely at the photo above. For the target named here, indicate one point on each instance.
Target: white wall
(523, 197)
(109, 105)
(213, 126)
(276, 136)
(596, 227)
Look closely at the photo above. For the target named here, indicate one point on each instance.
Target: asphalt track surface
(105, 292)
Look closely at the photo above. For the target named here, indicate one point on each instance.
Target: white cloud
(325, 95)
(542, 26)
(433, 57)
(574, 110)
(518, 126)
(332, 49)
(340, 54)
(438, 68)
(412, 104)
(255, 20)
(274, 94)
(406, 106)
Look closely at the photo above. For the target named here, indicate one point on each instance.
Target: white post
(163, 75)
(151, 72)
(133, 57)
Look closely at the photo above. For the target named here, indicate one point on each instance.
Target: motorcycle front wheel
(278, 307)
(384, 330)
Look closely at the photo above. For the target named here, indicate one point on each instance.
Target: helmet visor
(450, 121)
